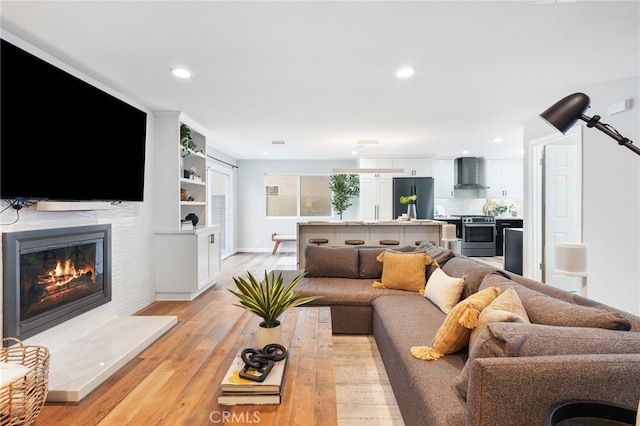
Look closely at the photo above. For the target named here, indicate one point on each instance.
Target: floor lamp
(449, 236)
(571, 260)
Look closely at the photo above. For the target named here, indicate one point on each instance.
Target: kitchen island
(335, 233)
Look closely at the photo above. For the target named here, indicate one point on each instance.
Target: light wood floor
(156, 387)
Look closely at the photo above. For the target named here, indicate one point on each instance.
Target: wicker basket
(22, 400)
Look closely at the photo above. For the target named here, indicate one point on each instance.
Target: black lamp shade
(563, 114)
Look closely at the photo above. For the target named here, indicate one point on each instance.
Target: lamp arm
(605, 128)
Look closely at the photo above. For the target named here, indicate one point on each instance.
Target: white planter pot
(265, 336)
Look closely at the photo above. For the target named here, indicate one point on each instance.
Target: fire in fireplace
(53, 275)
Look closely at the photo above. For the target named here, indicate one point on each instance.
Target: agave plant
(270, 298)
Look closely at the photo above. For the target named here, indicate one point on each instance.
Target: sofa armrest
(523, 390)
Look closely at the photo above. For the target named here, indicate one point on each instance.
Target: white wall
(132, 227)
(253, 229)
(611, 195)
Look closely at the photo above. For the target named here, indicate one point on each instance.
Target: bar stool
(318, 241)
(389, 242)
(354, 242)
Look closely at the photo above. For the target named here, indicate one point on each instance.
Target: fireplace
(53, 275)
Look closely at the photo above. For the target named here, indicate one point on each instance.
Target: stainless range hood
(470, 173)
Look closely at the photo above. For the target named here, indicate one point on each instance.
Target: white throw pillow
(443, 290)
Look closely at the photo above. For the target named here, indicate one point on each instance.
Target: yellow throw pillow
(455, 331)
(403, 271)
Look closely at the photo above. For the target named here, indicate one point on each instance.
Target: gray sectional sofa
(573, 348)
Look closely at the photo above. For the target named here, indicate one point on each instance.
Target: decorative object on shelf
(186, 140)
(184, 195)
(567, 111)
(193, 218)
(344, 187)
(269, 299)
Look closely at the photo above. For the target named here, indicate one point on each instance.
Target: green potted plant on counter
(269, 299)
(343, 188)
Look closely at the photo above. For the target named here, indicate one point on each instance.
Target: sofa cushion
(505, 308)
(368, 265)
(339, 262)
(474, 271)
(543, 309)
(403, 271)
(523, 340)
(439, 255)
(443, 290)
(455, 331)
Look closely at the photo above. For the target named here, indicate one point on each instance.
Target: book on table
(237, 390)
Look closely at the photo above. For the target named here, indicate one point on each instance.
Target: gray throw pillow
(543, 309)
(437, 254)
(502, 339)
(337, 262)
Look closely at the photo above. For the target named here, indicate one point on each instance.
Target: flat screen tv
(63, 139)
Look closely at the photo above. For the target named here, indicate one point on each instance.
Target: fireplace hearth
(53, 275)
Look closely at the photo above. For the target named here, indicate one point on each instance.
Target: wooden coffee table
(309, 395)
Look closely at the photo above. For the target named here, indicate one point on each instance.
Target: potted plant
(268, 299)
(186, 140)
(343, 187)
(410, 200)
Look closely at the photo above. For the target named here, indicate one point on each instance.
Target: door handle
(212, 239)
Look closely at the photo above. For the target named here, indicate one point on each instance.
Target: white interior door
(553, 207)
(220, 213)
(562, 200)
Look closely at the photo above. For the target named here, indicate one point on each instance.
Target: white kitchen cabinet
(376, 198)
(414, 167)
(505, 178)
(443, 178)
(188, 262)
(375, 163)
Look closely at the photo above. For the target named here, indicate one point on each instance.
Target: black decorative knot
(258, 363)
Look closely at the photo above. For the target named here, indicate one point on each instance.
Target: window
(297, 196)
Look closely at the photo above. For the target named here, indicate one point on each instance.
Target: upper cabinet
(505, 178)
(181, 171)
(376, 163)
(443, 178)
(413, 166)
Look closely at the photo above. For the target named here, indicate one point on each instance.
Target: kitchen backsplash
(460, 206)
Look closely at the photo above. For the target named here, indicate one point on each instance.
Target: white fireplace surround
(87, 349)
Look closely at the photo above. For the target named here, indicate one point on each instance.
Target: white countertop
(373, 222)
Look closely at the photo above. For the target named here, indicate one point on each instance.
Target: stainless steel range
(478, 236)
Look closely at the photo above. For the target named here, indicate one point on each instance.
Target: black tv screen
(63, 139)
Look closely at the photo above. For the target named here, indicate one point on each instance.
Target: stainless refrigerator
(422, 187)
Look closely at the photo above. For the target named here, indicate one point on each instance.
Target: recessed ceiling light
(405, 72)
(466, 151)
(354, 152)
(498, 140)
(265, 153)
(181, 72)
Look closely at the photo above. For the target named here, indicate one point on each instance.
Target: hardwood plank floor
(163, 384)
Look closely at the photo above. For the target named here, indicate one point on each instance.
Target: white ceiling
(320, 75)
